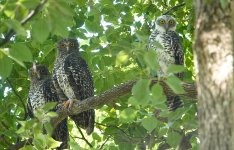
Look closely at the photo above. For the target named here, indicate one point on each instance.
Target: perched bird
(166, 42)
(41, 92)
(73, 80)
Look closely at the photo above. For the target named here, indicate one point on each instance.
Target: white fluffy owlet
(165, 41)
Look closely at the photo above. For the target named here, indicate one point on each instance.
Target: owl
(73, 80)
(41, 92)
(166, 42)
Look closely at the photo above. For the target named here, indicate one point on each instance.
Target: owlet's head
(165, 23)
(38, 72)
(67, 46)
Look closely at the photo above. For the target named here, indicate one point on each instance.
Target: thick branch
(107, 97)
(23, 22)
(113, 94)
(173, 8)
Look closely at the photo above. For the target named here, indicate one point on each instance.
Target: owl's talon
(68, 104)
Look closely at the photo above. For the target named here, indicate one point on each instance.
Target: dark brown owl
(41, 92)
(73, 80)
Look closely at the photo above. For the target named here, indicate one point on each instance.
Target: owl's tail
(174, 102)
(85, 120)
(61, 134)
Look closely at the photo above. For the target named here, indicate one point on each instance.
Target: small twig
(23, 22)
(104, 142)
(83, 138)
(19, 98)
(173, 8)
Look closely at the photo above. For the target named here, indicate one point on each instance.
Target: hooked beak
(166, 28)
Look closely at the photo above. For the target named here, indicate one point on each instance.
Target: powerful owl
(41, 92)
(166, 42)
(73, 80)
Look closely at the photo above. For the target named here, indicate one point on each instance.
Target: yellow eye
(171, 22)
(71, 44)
(63, 45)
(162, 21)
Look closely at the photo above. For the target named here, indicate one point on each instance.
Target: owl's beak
(166, 27)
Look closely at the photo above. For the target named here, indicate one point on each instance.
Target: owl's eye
(63, 45)
(71, 44)
(171, 22)
(162, 21)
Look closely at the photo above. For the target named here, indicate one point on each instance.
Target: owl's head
(68, 45)
(165, 23)
(38, 72)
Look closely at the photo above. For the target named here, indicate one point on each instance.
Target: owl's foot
(68, 104)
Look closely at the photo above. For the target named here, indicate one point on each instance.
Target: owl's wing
(79, 77)
(49, 92)
(178, 49)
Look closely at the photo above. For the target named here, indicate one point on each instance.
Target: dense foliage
(113, 36)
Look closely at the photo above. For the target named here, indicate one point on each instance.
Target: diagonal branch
(173, 9)
(113, 94)
(19, 98)
(23, 22)
(83, 138)
(106, 97)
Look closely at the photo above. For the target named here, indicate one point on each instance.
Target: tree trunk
(214, 74)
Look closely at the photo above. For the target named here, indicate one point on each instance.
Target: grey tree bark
(213, 53)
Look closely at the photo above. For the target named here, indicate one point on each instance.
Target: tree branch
(83, 138)
(19, 98)
(101, 147)
(106, 97)
(173, 9)
(113, 94)
(11, 32)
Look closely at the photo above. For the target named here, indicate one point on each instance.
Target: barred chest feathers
(37, 98)
(63, 81)
(165, 54)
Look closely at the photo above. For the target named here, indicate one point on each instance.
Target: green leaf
(158, 96)
(110, 121)
(19, 52)
(175, 69)
(39, 141)
(49, 106)
(48, 127)
(127, 115)
(157, 44)
(173, 139)
(150, 58)
(30, 4)
(175, 84)
(96, 137)
(149, 123)
(5, 66)
(140, 91)
(16, 26)
(52, 143)
(28, 147)
(224, 4)
(40, 30)
(121, 58)
(52, 114)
